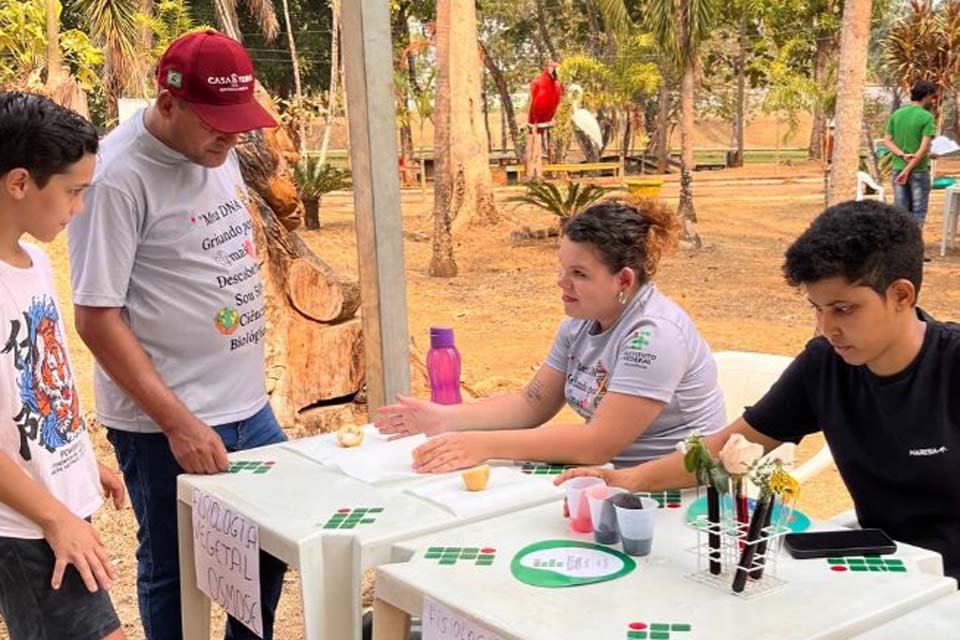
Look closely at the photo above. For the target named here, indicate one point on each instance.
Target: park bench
(581, 167)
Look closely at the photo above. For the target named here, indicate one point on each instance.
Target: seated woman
(628, 360)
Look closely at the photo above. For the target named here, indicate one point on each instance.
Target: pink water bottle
(443, 367)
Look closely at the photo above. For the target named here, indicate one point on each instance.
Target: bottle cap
(441, 337)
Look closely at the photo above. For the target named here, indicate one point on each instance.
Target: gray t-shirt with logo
(171, 242)
(653, 351)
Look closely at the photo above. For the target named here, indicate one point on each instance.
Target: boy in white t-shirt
(54, 570)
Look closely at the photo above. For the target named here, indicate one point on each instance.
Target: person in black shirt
(881, 380)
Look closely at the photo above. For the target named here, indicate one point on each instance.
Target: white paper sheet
(508, 487)
(943, 146)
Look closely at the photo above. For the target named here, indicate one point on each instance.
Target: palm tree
(925, 45)
(681, 27)
(298, 90)
(854, 44)
(60, 86)
(263, 12)
(462, 190)
(113, 25)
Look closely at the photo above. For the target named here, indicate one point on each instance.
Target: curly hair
(40, 136)
(626, 233)
(867, 243)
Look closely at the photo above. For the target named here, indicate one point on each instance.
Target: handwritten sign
(227, 550)
(440, 623)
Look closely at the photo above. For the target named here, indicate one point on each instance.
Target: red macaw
(545, 94)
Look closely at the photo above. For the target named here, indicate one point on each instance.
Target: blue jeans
(150, 472)
(914, 195)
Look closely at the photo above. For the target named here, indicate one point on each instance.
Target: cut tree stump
(315, 365)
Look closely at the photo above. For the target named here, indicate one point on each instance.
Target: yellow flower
(785, 484)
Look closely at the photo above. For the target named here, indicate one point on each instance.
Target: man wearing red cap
(167, 290)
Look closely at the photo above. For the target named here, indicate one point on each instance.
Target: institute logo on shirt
(227, 321)
(639, 340)
(49, 410)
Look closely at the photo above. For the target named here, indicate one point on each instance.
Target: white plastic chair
(864, 178)
(744, 378)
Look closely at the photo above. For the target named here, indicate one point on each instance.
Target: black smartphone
(847, 542)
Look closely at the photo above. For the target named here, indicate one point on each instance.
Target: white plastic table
(293, 505)
(816, 601)
(939, 620)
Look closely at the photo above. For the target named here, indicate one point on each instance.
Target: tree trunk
(739, 120)
(663, 124)
(956, 112)
(225, 12)
(689, 239)
(506, 102)
(442, 263)
(486, 119)
(311, 213)
(297, 88)
(854, 45)
(54, 69)
(464, 189)
(503, 131)
(334, 77)
(314, 343)
(826, 49)
(544, 32)
(401, 39)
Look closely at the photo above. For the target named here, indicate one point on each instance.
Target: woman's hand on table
(410, 416)
(613, 477)
(451, 451)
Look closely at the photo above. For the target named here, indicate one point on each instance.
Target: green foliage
(315, 179)
(23, 47)
(113, 24)
(925, 44)
(171, 19)
(564, 204)
(789, 92)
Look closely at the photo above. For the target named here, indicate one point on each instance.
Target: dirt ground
(505, 307)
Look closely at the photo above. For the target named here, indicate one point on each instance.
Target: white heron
(583, 119)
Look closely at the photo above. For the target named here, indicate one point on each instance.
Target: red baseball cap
(214, 74)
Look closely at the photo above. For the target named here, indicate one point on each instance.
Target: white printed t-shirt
(652, 351)
(171, 242)
(41, 423)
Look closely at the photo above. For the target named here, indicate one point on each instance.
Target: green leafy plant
(315, 179)
(564, 204)
(23, 48)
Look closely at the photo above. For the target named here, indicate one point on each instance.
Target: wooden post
(368, 75)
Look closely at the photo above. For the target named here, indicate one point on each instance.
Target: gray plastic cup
(603, 515)
(635, 520)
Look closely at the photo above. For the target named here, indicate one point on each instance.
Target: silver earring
(622, 297)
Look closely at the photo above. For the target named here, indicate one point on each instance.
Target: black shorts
(30, 607)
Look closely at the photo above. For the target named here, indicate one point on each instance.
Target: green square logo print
(347, 518)
(448, 556)
(866, 564)
(670, 499)
(639, 340)
(174, 79)
(537, 469)
(658, 630)
(258, 467)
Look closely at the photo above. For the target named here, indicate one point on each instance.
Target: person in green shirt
(910, 130)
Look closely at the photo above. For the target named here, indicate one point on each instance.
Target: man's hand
(112, 486)
(198, 448)
(903, 177)
(75, 541)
